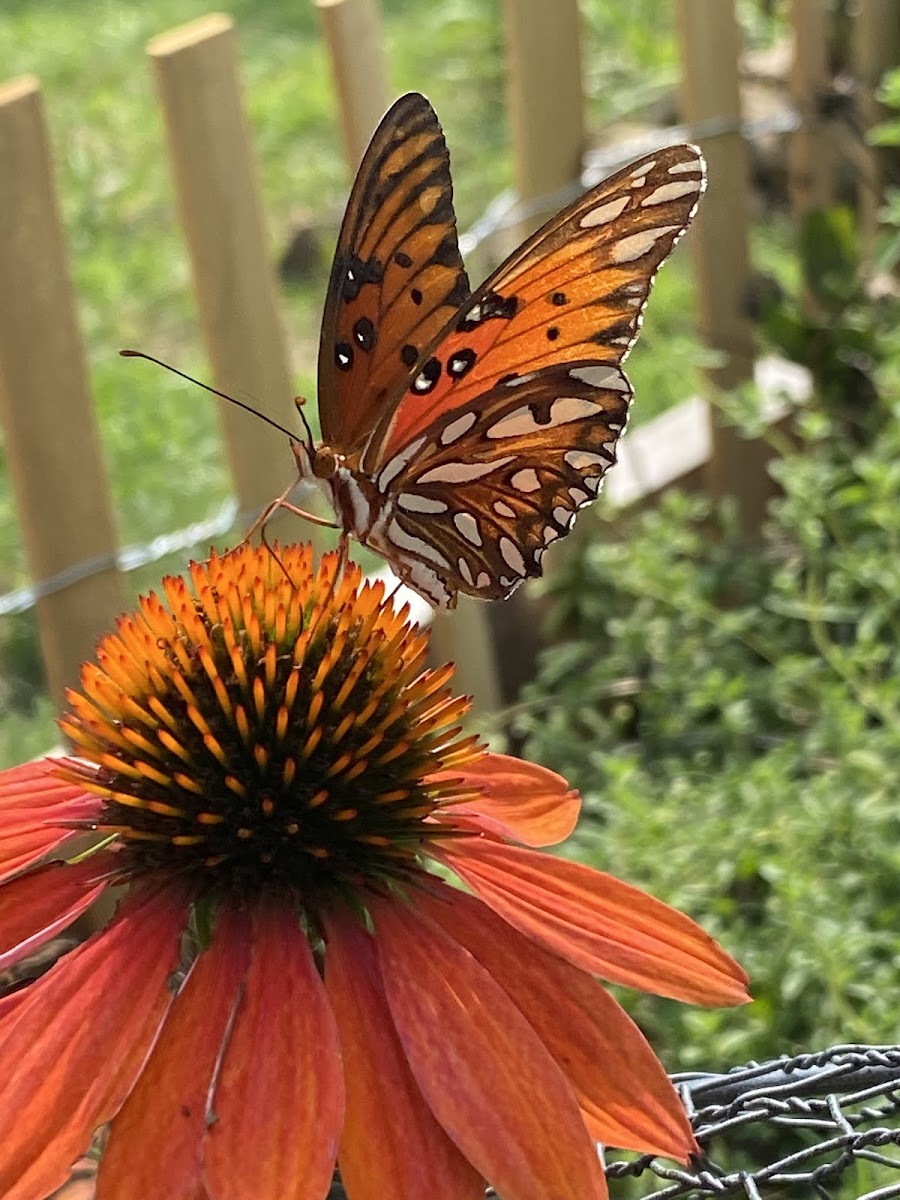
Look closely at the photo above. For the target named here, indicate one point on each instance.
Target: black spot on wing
(355, 274)
(461, 362)
(425, 381)
(365, 334)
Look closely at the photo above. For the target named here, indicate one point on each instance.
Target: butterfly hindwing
(485, 493)
(397, 276)
(575, 291)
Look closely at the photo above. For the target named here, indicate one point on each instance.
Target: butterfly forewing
(574, 292)
(397, 277)
(486, 493)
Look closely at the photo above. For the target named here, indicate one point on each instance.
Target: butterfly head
(325, 462)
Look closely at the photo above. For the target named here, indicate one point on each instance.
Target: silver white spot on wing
(636, 245)
(420, 504)
(426, 583)
(398, 535)
(512, 555)
(503, 510)
(603, 213)
(671, 191)
(525, 480)
(457, 428)
(460, 472)
(518, 380)
(550, 534)
(582, 459)
(359, 505)
(398, 463)
(563, 517)
(468, 527)
(599, 377)
(592, 483)
(483, 580)
(643, 168)
(519, 423)
(466, 572)
(679, 168)
(578, 496)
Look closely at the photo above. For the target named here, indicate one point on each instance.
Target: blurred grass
(160, 437)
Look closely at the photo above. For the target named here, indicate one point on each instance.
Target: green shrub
(731, 708)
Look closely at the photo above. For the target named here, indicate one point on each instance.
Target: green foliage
(732, 715)
(731, 709)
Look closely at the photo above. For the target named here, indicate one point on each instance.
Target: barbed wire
(813, 1118)
(502, 213)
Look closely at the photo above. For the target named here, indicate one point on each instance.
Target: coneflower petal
(34, 907)
(481, 1067)
(69, 1072)
(168, 1105)
(599, 923)
(279, 1099)
(621, 1086)
(391, 1146)
(516, 800)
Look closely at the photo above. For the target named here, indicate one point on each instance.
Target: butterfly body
(462, 431)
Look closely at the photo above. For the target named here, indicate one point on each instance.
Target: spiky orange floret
(271, 723)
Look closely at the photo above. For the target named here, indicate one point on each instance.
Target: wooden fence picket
(545, 98)
(220, 202)
(52, 444)
(355, 44)
(710, 47)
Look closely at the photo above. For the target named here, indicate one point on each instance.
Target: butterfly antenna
(215, 391)
(299, 401)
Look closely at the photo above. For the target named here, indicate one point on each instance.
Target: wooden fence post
(219, 197)
(352, 30)
(811, 161)
(876, 49)
(465, 638)
(710, 47)
(546, 103)
(52, 445)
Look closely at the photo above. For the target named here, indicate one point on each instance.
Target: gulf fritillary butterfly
(462, 432)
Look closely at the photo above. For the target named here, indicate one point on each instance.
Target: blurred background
(713, 658)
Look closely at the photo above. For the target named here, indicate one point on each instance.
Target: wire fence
(819, 1124)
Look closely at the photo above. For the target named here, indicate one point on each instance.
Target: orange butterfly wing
(574, 292)
(397, 276)
(514, 414)
(486, 493)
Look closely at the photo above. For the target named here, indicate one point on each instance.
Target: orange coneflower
(292, 977)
